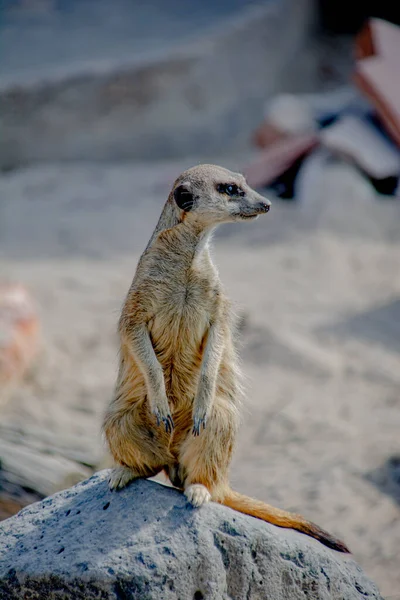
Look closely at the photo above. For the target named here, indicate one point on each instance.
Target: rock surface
(146, 542)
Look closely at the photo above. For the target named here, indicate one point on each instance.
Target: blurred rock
(147, 542)
(43, 472)
(19, 334)
(13, 496)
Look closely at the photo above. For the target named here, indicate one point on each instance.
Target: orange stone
(19, 332)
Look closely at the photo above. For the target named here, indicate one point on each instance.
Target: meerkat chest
(183, 308)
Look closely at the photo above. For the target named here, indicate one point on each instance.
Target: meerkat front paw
(164, 417)
(162, 414)
(200, 417)
(197, 494)
(120, 477)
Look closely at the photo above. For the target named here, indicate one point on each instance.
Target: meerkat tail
(281, 518)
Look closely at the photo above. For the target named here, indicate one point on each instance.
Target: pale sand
(318, 287)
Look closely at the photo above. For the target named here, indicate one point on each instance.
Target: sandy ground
(317, 285)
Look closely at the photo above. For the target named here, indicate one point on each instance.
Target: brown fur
(177, 357)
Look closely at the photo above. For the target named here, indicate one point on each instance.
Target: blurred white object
(290, 114)
(355, 138)
(347, 98)
(309, 180)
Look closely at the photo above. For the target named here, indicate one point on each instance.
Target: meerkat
(177, 396)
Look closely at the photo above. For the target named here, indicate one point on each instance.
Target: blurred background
(102, 105)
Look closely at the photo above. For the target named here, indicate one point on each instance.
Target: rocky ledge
(146, 543)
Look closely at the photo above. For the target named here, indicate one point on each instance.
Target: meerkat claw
(198, 423)
(169, 424)
(167, 420)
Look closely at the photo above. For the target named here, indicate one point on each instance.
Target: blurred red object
(267, 134)
(364, 46)
(278, 157)
(377, 72)
(19, 332)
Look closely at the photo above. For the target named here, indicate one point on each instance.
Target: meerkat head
(209, 195)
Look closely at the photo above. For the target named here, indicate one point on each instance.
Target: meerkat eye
(230, 189)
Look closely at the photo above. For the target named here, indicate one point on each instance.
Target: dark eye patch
(184, 198)
(230, 189)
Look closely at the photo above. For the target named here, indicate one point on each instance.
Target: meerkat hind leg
(197, 494)
(176, 475)
(121, 476)
(206, 466)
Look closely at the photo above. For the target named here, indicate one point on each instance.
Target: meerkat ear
(184, 198)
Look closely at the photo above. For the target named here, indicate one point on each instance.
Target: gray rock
(145, 542)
